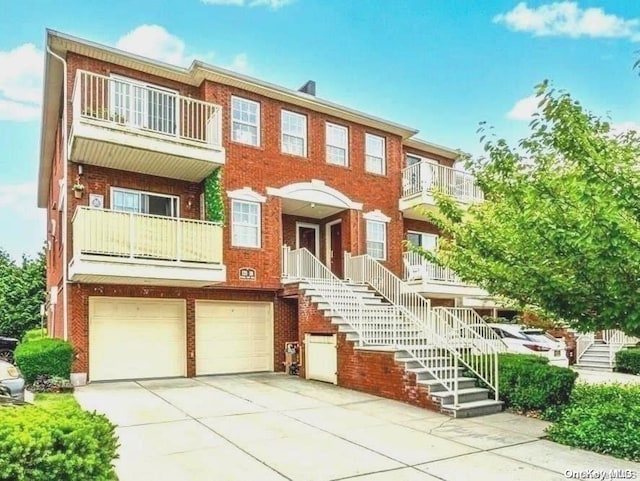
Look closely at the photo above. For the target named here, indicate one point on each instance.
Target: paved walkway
(277, 427)
(601, 377)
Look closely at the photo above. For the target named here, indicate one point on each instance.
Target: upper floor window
(337, 144)
(374, 153)
(428, 242)
(294, 133)
(125, 200)
(245, 121)
(245, 228)
(377, 239)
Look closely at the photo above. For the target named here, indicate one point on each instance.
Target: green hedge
(628, 360)
(34, 335)
(601, 418)
(529, 383)
(51, 357)
(41, 444)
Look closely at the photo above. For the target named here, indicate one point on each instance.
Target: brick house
(144, 284)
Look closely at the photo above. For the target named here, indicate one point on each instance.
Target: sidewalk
(600, 377)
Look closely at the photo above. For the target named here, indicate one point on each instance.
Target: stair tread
(431, 382)
(468, 390)
(473, 404)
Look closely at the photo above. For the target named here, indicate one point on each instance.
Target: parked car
(7, 346)
(523, 340)
(11, 381)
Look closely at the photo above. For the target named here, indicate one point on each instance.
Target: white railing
(617, 340)
(458, 340)
(417, 267)
(583, 343)
(427, 177)
(116, 234)
(122, 102)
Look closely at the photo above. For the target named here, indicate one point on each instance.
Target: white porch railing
(427, 177)
(141, 236)
(417, 267)
(462, 340)
(118, 101)
(617, 340)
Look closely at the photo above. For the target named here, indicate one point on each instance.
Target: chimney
(309, 88)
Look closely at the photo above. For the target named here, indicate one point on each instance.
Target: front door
(336, 256)
(307, 237)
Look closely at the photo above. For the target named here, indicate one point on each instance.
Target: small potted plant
(78, 189)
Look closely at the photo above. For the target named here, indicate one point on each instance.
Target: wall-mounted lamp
(80, 169)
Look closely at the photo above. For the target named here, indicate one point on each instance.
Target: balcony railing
(113, 234)
(120, 102)
(425, 177)
(417, 268)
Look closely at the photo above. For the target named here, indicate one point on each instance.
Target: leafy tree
(22, 291)
(559, 228)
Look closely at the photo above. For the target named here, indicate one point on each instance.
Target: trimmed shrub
(45, 357)
(52, 384)
(601, 418)
(529, 383)
(628, 360)
(34, 335)
(51, 444)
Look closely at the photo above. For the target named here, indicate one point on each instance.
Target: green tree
(559, 228)
(22, 291)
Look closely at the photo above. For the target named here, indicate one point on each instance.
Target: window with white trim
(294, 133)
(428, 242)
(337, 144)
(245, 121)
(245, 228)
(374, 153)
(377, 239)
(125, 200)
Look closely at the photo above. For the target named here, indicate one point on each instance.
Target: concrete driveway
(276, 427)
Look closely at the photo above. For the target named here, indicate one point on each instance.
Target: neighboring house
(144, 286)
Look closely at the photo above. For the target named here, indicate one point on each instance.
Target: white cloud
(18, 195)
(240, 63)
(624, 127)
(524, 108)
(274, 4)
(567, 19)
(28, 223)
(21, 83)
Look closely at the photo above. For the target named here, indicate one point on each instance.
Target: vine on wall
(213, 200)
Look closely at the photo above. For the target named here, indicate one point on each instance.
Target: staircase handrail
(444, 331)
(583, 342)
(616, 340)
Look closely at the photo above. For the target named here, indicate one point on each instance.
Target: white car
(525, 340)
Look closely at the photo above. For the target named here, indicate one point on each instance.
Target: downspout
(65, 215)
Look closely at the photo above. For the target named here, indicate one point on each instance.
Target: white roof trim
(316, 192)
(246, 194)
(377, 216)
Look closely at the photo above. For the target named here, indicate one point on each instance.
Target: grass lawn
(56, 400)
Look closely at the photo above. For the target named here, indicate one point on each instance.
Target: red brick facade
(259, 168)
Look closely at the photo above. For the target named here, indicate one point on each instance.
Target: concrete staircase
(596, 357)
(383, 327)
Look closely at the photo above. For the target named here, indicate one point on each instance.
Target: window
(245, 121)
(144, 202)
(374, 154)
(246, 223)
(377, 239)
(294, 133)
(337, 144)
(428, 242)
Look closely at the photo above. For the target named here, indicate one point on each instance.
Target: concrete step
(436, 386)
(594, 366)
(467, 395)
(472, 409)
(590, 358)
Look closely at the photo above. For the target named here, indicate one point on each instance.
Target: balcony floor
(431, 288)
(95, 269)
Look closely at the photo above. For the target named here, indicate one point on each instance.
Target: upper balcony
(130, 248)
(129, 125)
(435, 281)
(422, 179)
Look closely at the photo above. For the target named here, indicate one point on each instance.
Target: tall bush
(628, 360)
(44, 357)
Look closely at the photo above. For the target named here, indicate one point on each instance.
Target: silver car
(11, 381)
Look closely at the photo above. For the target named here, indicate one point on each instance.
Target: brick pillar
(191, 337)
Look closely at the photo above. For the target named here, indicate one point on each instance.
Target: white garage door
(233, 337)
(133, 338)
(321, 358)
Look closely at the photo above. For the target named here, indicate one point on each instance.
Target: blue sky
(438, 65)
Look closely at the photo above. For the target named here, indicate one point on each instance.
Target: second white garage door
(233, 337)
(133, 338)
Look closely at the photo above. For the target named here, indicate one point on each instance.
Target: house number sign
(247, 274)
